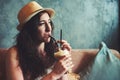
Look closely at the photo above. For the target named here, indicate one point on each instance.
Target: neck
(41, 49)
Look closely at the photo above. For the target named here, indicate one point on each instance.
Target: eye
(50, 21)
(41, 23)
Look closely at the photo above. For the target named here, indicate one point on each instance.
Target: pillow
(106, 66)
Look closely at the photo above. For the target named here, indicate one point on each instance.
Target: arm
(52, 76)
(63, 64)
(13, 70)
(59, 69)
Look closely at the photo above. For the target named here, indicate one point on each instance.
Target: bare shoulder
(12, 56)
(12, 52)
(13, 69)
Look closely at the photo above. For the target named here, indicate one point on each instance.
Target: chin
(47, 40)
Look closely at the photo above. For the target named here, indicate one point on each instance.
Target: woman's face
(44, 28)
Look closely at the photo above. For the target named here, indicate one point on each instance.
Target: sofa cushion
(81, 59)
(105, 66)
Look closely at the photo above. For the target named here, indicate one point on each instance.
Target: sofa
(81, 59)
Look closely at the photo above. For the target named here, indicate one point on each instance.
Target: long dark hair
(27, 42)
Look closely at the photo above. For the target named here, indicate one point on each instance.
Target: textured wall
(85, 23)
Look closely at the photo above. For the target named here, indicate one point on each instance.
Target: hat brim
(50, 11)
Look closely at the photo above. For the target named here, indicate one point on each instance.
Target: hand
(62, 66)
(65, 45)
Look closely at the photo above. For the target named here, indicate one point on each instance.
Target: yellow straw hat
(30, 10)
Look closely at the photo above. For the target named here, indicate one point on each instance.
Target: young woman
(32, 58)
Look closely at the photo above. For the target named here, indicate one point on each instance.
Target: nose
(47, 27)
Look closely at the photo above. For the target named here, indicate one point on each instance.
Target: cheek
(41, 31)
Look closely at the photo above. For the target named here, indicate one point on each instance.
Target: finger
(67, 57)
(67, 60)
(66, 46)
(62, 41)
(68, 65)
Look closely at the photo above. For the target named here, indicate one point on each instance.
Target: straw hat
(30, 10)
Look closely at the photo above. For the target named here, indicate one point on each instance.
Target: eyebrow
(44, 20)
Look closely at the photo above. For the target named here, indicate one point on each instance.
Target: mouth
(47, 35)
(54, 40)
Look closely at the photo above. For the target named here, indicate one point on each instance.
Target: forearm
(64, 77)
(50, 76)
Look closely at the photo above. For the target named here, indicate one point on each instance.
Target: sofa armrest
(84, 57)
(3, 52)
(81, 59)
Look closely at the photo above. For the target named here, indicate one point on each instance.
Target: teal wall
(85, 23)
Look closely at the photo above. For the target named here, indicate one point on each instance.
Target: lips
(47, 36)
